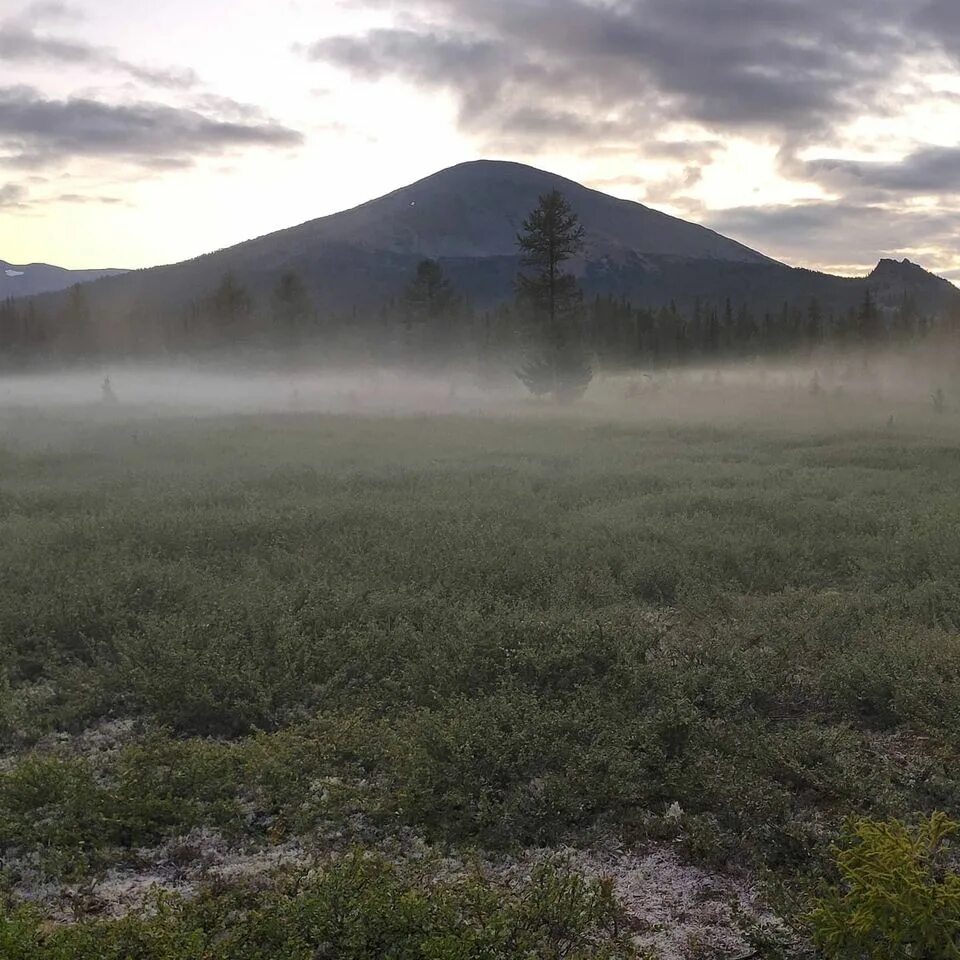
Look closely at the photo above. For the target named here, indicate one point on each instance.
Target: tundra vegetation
(406, 657)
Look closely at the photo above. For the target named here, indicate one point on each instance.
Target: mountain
(891, 279)
(26, 280)
(474, 210)
(467, 217)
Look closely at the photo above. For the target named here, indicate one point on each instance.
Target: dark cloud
(941, 18)
(431, 58)
(35, 131)
(20, 42)
(19, 46)
(792, 66)
(836, 232)
(930, 170)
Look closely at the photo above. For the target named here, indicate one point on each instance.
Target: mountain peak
(903, 272)
(485, 171)
(475, 209)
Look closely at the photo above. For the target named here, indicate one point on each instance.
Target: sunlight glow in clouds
(823, 134)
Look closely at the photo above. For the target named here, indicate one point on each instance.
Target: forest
(429, 324)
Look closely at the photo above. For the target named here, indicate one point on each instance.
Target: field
(426, 680)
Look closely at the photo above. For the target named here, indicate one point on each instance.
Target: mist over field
(173, 389)
(837, 383)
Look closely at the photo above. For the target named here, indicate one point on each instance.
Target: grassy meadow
(718, 625)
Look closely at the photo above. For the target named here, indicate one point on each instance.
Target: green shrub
(361, 908)
(73, 811)
(512, 768)
(898, 896)
(55, 806)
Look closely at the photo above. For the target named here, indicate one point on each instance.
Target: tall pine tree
(559, 365)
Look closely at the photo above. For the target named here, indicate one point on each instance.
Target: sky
(825, 133)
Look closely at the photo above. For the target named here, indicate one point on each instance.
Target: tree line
(548, 335)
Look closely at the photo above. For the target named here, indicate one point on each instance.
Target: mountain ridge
(31, 279)
(467, 217)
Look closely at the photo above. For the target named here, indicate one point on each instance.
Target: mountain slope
(27, 280)
(468, 214)
(467, 217)
(476, 209)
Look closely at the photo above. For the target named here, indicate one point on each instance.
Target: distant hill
(29, 279)
(467, 217)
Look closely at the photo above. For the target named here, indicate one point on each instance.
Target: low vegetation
(899, 893)
(491, 634)
(359, 909)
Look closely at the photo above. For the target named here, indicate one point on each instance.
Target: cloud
(21, 43)
(16, 197)
(929, 170)
(499, 92)
(684, 150)
(50, 10)
(940, 19)
(12, 195)
(85, 198)
(17, 46)
(831, 231)
(36, 131)
(797, 68)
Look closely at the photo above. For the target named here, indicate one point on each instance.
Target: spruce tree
(429, 296)
(711, 335)
(78, 321)
(746, 329)
(9, 324)
(869, 321)
(34, 325)
(905, 321)
(230, 303)
(431, 313)
(559, 366)
(291, 308)
(813, 331)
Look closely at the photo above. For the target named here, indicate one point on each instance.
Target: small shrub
(361, 908)
(897, 897)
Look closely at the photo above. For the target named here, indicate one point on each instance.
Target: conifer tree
(814, 325)
(78, 321)
(869, 323)
(429, 296)
(551, 235)
(291, 307)
(230, 302)
(34, 325)
(9, 324)
(746, 328)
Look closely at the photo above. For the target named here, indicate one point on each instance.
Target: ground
(674, 640)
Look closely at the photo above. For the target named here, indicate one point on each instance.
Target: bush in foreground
(898, 896)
